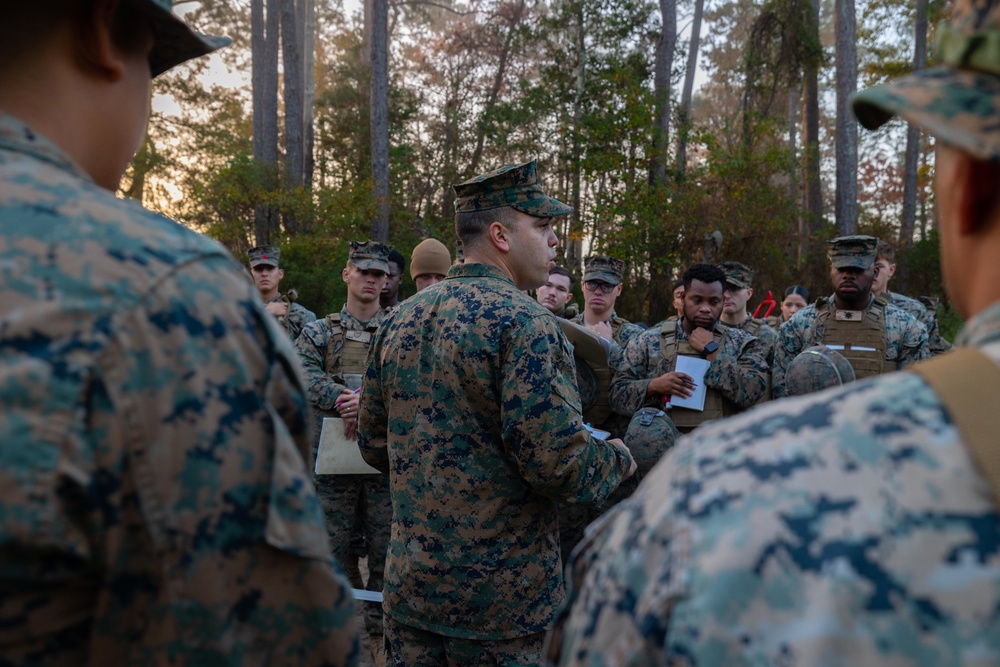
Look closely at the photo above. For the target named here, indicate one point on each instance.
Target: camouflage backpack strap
(332, 357)
(668, 342)
(967, 382)
(753, 327)
(877, 310)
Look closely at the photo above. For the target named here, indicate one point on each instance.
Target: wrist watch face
(710, 348)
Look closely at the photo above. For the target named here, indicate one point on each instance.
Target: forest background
(337, 123)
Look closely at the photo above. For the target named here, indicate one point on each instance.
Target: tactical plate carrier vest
(859, 335)
(347, 351)
(717, 406)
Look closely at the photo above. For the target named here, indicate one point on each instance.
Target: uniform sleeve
(739, 371)
(373, 419)
(311, 344)
(632, 375)
(789, 346)
(215, 547)
(913, 346)
(541, 421)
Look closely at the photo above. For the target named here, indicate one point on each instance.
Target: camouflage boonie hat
(817, 368)
(264, 254)
(959, 101)
(174, 41)
(370, 256)
(852, 251)
(738, 274)
(515, 185)
(602, 267)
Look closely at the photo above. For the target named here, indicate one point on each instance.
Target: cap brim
(959, 107)
(542, 207)
(850, 264)
(371, 265)
(174, 42)
(609, 278)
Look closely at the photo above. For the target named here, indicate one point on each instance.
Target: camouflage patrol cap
(174, 41)
(852, 251)
(602, 267)
(370, 256)
(515, 185)
(265, 254)
(738, 274)
(958, 101)
(817, 368)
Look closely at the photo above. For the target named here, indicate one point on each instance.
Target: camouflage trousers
(407, 646)
(349, 498)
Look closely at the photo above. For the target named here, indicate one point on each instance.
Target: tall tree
(812, 222)
(264, 40)
(309, 85)
(662, 70)
(846, 204)
(684, 117)
(910, 167)
(379, 59)
(294, 98)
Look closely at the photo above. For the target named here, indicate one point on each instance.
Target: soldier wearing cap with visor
(738, 292)
(334, 353)
(871, 333)
(470, 404)
(157, 505)
(265, 267)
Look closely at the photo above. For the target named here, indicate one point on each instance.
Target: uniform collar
(16, 136)
(478, 271)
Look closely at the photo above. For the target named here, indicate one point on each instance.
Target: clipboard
(338, 455)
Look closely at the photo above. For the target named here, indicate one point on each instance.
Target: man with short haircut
(469, 404)
(885, 260)
(265, 267)
(739, 290)
(334, 353)
(677, 291)
(602, 285)
(871, 333)
(557, 291)
(737, 374)
(157, 508)
(390, 293)
(429, 263)
(856, 526)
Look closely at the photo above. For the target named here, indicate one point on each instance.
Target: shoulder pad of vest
(882, 301)
(822, 301)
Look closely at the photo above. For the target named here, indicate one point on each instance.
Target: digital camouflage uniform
(477, 420)
(470, 405)
(574, 518)
(738, 371)
(740, 276)
(298, 316)
(346, 499)
(906, 340)
(157, 506)
(936, 343)
(848, 527)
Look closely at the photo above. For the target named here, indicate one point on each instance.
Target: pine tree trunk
(662, 68)
(685, 111)
(812, 223)
(847, 129)
(264, 22)
(380, 118)
(908, 221)
(291, 51)
(309, 74)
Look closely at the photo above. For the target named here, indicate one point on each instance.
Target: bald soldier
(157, 508)
(871, 333)
(856, 526)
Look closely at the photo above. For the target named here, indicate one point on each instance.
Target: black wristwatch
(711, 348)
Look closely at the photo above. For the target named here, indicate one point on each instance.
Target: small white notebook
(696, 368)
(338, 455)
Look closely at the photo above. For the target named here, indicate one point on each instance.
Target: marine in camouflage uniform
(470, 405)
(737, 372)
(904, 338)
(157, 506)
(602, 285)
(333, 352)
(885, 260)
(267, 278)
(739, 289)
(849, 527)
